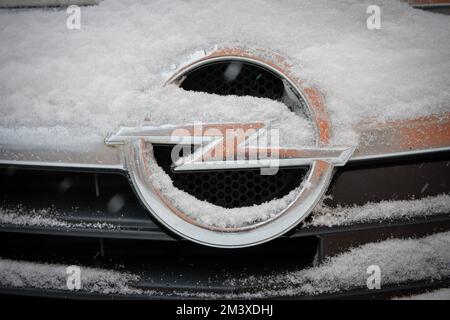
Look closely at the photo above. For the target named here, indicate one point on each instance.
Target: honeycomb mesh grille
(221, 78)
(235, 188)
(230, 189)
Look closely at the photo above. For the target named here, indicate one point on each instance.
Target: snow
(439, 294)
(400, 260)
(20, 274)
(46, 217)
(110, 73)
(379, 211)
(208, 108)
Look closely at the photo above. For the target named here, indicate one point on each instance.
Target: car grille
(137, 244)
(109, 197)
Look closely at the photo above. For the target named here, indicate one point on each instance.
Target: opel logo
(198, 147)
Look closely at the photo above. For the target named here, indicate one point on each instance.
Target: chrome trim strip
(93, 156)
(246, 132)
(397, 154)
(14, 163)
(121, 166)
(387, 140)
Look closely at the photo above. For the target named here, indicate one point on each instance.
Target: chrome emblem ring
(137, 146)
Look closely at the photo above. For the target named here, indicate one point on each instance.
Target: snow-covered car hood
(64, 87)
